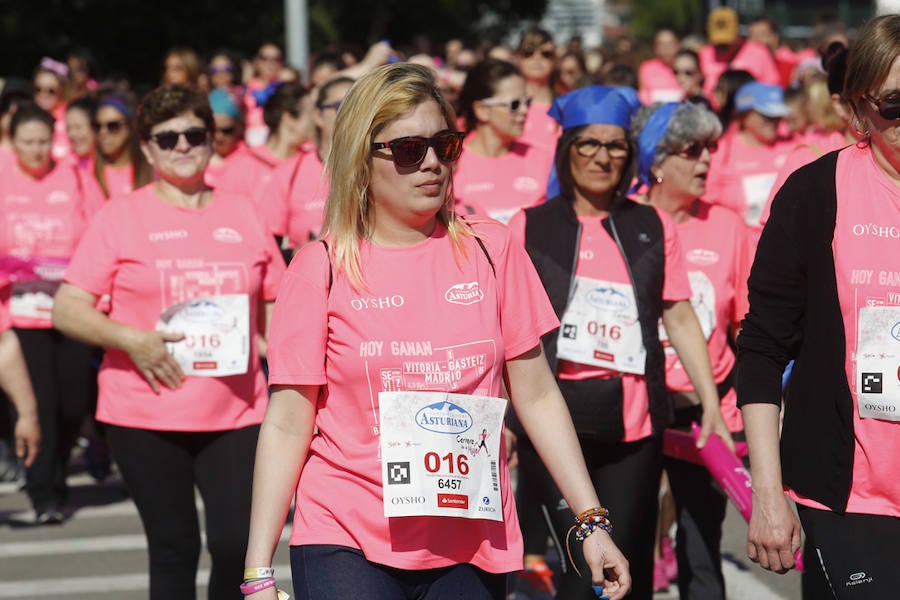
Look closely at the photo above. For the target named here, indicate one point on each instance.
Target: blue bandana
(651, 134)
(223, 104)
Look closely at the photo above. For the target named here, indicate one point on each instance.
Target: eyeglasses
(166, 140)
(47, 90)
(410, 151)
(513, 105)
(547, 53)
(888, 106)
(335, 105)
(694, 150)
(223, 130)
(588, 147)
(269, 58)
(111, 126)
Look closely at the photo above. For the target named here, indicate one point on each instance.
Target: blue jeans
(328, 572)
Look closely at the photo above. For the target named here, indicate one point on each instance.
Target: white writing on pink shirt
(370, 348)
(889, 278)
(382, 303)
(861, 276)
(58, 197)
(464, 293)
(875, 230)
(165, 236)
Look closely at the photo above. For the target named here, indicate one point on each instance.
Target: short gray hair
(689, 123)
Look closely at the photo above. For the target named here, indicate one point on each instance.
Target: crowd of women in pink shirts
(79, 157)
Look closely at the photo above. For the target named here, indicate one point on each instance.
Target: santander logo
(464, 293)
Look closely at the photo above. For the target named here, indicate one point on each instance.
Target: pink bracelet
(257, 586)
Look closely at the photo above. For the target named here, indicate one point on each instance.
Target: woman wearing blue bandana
(612, 268)
(674, 142)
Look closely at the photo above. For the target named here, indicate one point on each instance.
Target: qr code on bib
(398, 473)
(872, 383)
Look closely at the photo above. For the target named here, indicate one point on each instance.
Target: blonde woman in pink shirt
(390, 341)
(191, 273)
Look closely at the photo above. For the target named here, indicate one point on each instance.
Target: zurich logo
(895, 331)
(444, 417)
(608, 299)
(203, 311)
(485, 500)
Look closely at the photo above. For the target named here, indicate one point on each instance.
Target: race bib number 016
(216, 335)
(878, 362)
(440, 454)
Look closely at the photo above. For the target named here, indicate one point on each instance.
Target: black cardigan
(795, 314)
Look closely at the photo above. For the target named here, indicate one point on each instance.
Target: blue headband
(651, 134)
(118, 104)
(222, 104)
(594, 104)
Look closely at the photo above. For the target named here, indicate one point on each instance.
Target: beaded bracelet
(587, 523)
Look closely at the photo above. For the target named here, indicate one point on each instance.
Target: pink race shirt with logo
(498, 187)
(293, 202)
(715, 252)
(41, 218)
(119, 180)
(247, 172)
(149, 255)
(425, 321)
(867, 268)
(541, 130)
(741, 176)
(658, 83)
(599, 258)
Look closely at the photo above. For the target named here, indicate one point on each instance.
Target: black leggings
(65, 385)
(626, 476)
(856, 555)
(161, 469)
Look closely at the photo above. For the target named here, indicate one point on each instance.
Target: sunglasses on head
(888, 105)
(410, 151)
(588, 147)
(694, 150)
(110, 126)
(547, 53)
(166, 140)
(513, 105)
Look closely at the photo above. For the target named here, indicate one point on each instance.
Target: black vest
(552, 235)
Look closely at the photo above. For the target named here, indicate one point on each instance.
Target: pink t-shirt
(752, 57)
(42, 218)
(248, 171)
(599, 258)
(718, 262)
(498, 187)
(741, 176)
(148, 255)
(60, 145)
(658, 83)
(293, 201)
(214, 172)
(866, 234)
(358, 343)
(255, 129)
(812, 148)
(119, 180)
(541, 130)
(7, 158)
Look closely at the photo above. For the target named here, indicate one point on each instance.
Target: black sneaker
(50, 516)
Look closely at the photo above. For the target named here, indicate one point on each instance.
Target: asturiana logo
(464, 293)
(203, 311)
(227, 235)
(699, 256)
(444, 417)
(608, 299)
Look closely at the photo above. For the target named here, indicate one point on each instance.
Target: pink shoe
(670, 563)
(660, 581)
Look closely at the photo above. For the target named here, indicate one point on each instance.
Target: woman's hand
(147, 350)
(609, 567)
(28, 437)
(713, 422)
(511, 441)
(774, 532)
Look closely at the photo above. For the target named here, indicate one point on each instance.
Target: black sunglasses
(694, 150)
(513, 105)
(410, 151)
(224, 131)
(888, 106)
(110, 126)
(545, 53)
(166, 140)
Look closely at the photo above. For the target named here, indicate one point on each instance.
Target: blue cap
(592, 105)
(223, 104)
(767, 100)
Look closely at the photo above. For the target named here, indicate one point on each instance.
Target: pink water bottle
(732, 476)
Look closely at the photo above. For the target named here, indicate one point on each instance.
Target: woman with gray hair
(674, 142)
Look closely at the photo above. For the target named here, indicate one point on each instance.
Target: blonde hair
(379, 98)
(818, 105)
